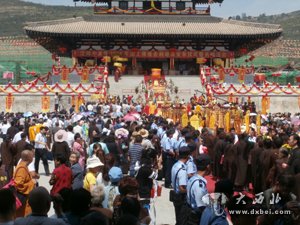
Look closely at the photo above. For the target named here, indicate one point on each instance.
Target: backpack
(111, 197)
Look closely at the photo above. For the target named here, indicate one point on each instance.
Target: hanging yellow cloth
(184, 120)
(258, 123)
(152, 109)
(241, 74)
(221, 73)
(227, 122)
(264, 105)
(247, 121)
(237, 121)
(221, 123)
(194, 121)
(212, 120)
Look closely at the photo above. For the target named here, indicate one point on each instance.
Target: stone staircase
(126, 86)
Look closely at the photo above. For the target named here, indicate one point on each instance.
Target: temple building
(173, 35)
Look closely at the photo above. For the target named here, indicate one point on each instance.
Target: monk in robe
(229, 163)
(255, 154)
(209, 141)
(241, 153)
(24, 182)
(219, 149)
(267, 162)
(8, 152)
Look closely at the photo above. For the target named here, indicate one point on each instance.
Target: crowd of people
(107, 166)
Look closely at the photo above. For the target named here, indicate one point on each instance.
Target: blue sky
(228, 7)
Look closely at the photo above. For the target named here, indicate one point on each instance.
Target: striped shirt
(135, 154)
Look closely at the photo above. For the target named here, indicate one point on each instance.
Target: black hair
(85, 201)
(268, 143)
(77, 135)
(224, 186)
(8, 202)
(61, 158)
(23, 135)
(286, 180)
(128, 219)
(70, 128)
(277, 142)
(131, 206)
(138, 139)
(65, 193)
(94, 218)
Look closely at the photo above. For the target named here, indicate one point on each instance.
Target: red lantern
(62, 50)
(243, 51)
(276, 74)
(252, 58)
(207, 71)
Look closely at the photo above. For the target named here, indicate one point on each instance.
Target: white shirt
(77, 129)
(22, 121)
(4, 128)
(40, 138)
(70, 139)
(236, 138)
(30, 166)
(17, 137)
(106, 109)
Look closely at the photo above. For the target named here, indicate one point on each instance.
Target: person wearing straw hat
(93, 168)
(146, 143)
(60, 145)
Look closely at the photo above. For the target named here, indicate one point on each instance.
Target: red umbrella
(129, 117)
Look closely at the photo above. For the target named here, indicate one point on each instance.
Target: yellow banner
(45, 104)
(85, 75)
(64, 75)
(9, 103)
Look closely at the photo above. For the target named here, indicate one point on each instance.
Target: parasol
(27, 114)
(121, 132)
(76, 118)
(295, 120)
(86, 114)
(131, 117)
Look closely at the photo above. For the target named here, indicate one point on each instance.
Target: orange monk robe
(38, 127)
(24, 185)
(32, 133)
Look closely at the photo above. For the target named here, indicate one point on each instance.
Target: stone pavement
(165, 213)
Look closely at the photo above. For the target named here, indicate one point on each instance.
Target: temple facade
(175, 36)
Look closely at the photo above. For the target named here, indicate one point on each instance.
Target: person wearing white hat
(60, 145)
(93, 166)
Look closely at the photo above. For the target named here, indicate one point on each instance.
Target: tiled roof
(280, 48)
(205, 26)
(197, 1)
